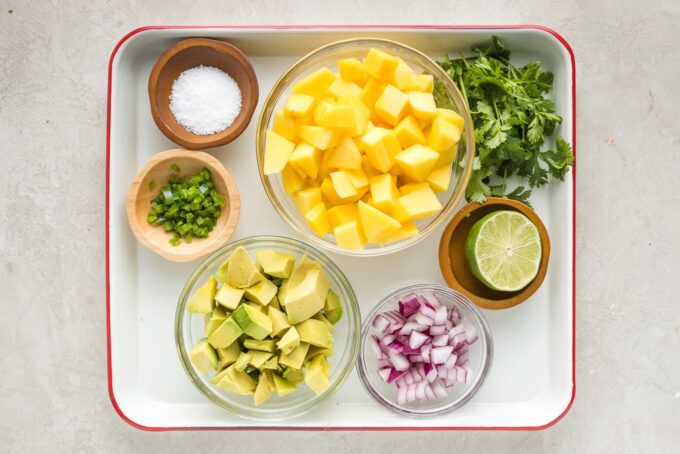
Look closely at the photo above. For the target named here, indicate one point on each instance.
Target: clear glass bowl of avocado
(267, 328)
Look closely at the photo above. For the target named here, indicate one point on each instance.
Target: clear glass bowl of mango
(267, 328)
(365, 146)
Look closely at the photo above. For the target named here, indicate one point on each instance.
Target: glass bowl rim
(480, 377)
(436, 222)
(354, 339)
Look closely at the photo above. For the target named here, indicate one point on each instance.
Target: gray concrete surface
(53, 60)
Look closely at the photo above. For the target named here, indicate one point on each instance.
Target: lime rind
(503, 250)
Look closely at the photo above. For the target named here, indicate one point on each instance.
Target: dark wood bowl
(454, 266)
(190, 53)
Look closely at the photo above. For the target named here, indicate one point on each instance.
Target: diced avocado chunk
(283, 291)
(214, 320)
(242, 272)
(277, 282)
(301, 269)
(283, 386)
(316, 375)
(293, 375)
(275, 301)
(237, 381)
(203, 356)
(275, 263)
(289, 341)
(272, 363)
(223, 272)
(253, 323)
(262, 292)
(242, 361)
(227, 356)
(295, 358)
(258, 358)
(229, 296)
(225, 334)
(320, 317)
(264, 389)
(315, 351)
(202, 301)
(315, 332)
(218, 377)
(279, 321)
(257, 307)
(332, 308)
(307, 298)
(262, 345)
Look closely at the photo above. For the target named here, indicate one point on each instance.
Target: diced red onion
(462, 359)
(401, 395)
(462, 375)
(400, 382)
(375, 346)
(385, 373)
(440, 316)
(420, 390)
(395, 375)
(423, 319)
(416, 340)
(384, 363)
(438, 389)
(431, 300)
(409, 327)
(428, 311)
(453, 332)
(458, 341)
(440, 341)
(451, 361)
(399, 361)
(411, 392)
(388, 339)
(415, 358)
(470, 333)
(442, 372)
(448, 325)
(429, 394)
(437, 330)
(439, 355)
(425, 351)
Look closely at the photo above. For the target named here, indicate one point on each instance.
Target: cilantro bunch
(512, 118)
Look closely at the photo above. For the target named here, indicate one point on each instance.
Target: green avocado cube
(275, 263)
(283, 386)
(202, 301)
(203, 356)
(293, 375)
(307, 298)
(283, 291)
(316, 375)
(315, 351)
(289, 341)
(252, 322)
(237, 381)
(279, 321)
(332, 308)
(301, 269)
(258, 358)
(225, 334)
(275, 301)
(315, 332)
(295, 358)
(262, 292)
(272, 363)
(322, 318)
(242, 361)
(223, 272)
(229, 296)
(214, 320)
(262, 345)
(264, 389)
(227, 356)
(256, 306)
(242, 272)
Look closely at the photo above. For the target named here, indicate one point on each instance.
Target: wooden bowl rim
(247, 111)
(217, 238)
(445, 259)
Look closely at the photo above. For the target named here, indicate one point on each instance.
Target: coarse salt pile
(205, 100)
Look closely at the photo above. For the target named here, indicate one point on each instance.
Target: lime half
(503, 249)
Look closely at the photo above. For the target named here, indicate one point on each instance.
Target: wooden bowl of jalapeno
(183, 205)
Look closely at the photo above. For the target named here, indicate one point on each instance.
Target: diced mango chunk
(410, 187)
(362, 114)
(343, 185)
(342, 214)
(306, 158)
(381, 146)
(349, 236)
(341, 88)
(371, 92)
(406, 231)
(381, 65)
(423, 82)
(376, 224)
(299, 105)
(392, 105)
(408, 132)
(453, 117)
(352, 70)
(307, 198)
(358, 178)
(443, 134)
(384, 192)
(416, 205)
(404, 76)
(417, 161)
(346, 155)
(422, 104)
(338, 116)
(285, 125)
(277, 152)
(317, 218)
(447, 156)
(321, 138)
(315, 84)
(440, 179)
(291, 180)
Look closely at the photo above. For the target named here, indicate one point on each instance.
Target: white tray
(531, 384)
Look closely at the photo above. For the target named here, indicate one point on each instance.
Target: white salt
(205, 100)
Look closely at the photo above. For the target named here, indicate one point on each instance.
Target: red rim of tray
(134, 32)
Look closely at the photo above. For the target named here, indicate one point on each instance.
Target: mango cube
(443, 134)
(317, 218)
(349, 236)
(422, 104)
(321, 138)
(384, 192)
(277, 152)
(440, 179)
(381, 146)
(342, 214)
(423, 82)
(376, 224)
(315, 84)
(351, 70)
(306, 158)
(453, 117)
(406, 231)
(410, 187)
(404, 76)
(417, 161)
(447, 156)
(320, 109)
(358, 178)
(291, 180)
(408, 132)
(371, 92)
(299, 105)
(381, 65)
(416, 205)
(362, 114)
(307, 198)
(341, 88)
(343, 185)
(325, 169)
(338, 116)
(346, 155)
(392, 105)
(285, 125)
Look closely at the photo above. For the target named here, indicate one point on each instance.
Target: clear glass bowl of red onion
(425, 351)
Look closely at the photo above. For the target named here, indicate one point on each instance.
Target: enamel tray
(531, 382)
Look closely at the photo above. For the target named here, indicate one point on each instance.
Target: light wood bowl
(454, 266)
(158, 169)
(190, 53)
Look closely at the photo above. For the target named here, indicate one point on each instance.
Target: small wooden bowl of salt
(202, 93)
